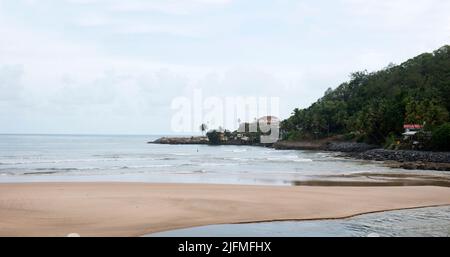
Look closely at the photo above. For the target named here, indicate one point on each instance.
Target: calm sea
(130, 158)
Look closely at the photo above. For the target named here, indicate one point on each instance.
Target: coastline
(133, 209)
(405, 159)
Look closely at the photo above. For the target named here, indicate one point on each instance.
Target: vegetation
(441, 138)
(203, 128)
(220, 136)
(213, 137)
(372, 107)
(247, 134)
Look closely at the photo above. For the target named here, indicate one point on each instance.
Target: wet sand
(134, 209)
(372, 179)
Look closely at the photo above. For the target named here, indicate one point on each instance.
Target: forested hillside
(373, 107)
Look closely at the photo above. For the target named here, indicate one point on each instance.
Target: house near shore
(410, 136)
(222, 136)
(411, 130)
(265, 120)
(248, 133)
(269, 120)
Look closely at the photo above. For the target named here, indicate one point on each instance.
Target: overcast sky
(114, 66)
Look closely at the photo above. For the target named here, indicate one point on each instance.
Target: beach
(121, 186)
(135, 209)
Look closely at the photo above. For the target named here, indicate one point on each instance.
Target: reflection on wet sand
(377, 179)
(420, 222)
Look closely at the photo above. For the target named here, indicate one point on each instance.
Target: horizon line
(88, 134)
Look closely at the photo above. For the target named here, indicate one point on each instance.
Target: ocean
(26, 158)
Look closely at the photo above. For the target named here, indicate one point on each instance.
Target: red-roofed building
(411, 130)
(412, 126)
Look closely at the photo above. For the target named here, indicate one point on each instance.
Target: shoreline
(415, 222)
(133, 209)
(404, 159)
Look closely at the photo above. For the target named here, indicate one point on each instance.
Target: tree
(203, 128)
(376, 105)
(427, 112)
(213, 137)
(377, 120)
(440, 139)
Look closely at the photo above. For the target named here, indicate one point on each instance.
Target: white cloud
(400, 13)
(109, 65)
(10, 82)
(178, 7)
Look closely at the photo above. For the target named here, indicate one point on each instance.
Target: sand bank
(133, 209)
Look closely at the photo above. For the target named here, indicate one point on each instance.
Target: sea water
(420, 222)
(130, 158)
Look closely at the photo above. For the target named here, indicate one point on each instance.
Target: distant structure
(266, 120)
(411, 130)
(247, 133)
(411, 138)
(269, 120)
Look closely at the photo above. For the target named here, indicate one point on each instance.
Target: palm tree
(203, 128)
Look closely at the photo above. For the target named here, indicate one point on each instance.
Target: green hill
(373, 107)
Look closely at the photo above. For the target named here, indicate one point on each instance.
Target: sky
(114, 67)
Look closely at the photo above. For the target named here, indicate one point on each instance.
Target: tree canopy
(372, 106)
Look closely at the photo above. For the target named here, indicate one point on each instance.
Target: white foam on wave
(145, 166)
(303, 160)
(213, 164)
(180, 154)
(288, 158)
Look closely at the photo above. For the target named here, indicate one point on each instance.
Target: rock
(298, 145)
(421, 165)
(181, 140)
(336, 146)
(405, 156)
(349, 147)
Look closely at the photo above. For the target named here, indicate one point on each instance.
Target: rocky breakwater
(298, 145)
(349, 147)
(181, 141)
(406, 159)
(324, 145)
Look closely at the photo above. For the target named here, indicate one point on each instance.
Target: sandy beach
(134, 209)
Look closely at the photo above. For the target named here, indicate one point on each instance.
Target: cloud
(174, 7)
(111, 65)
(10, 82)
(399, 13)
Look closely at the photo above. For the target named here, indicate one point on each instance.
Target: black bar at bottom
(228, 246)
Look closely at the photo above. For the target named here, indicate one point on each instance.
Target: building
(269, 120)
(411, 130)
(265, 120)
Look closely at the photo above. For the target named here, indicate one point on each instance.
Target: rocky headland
(181, 141)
